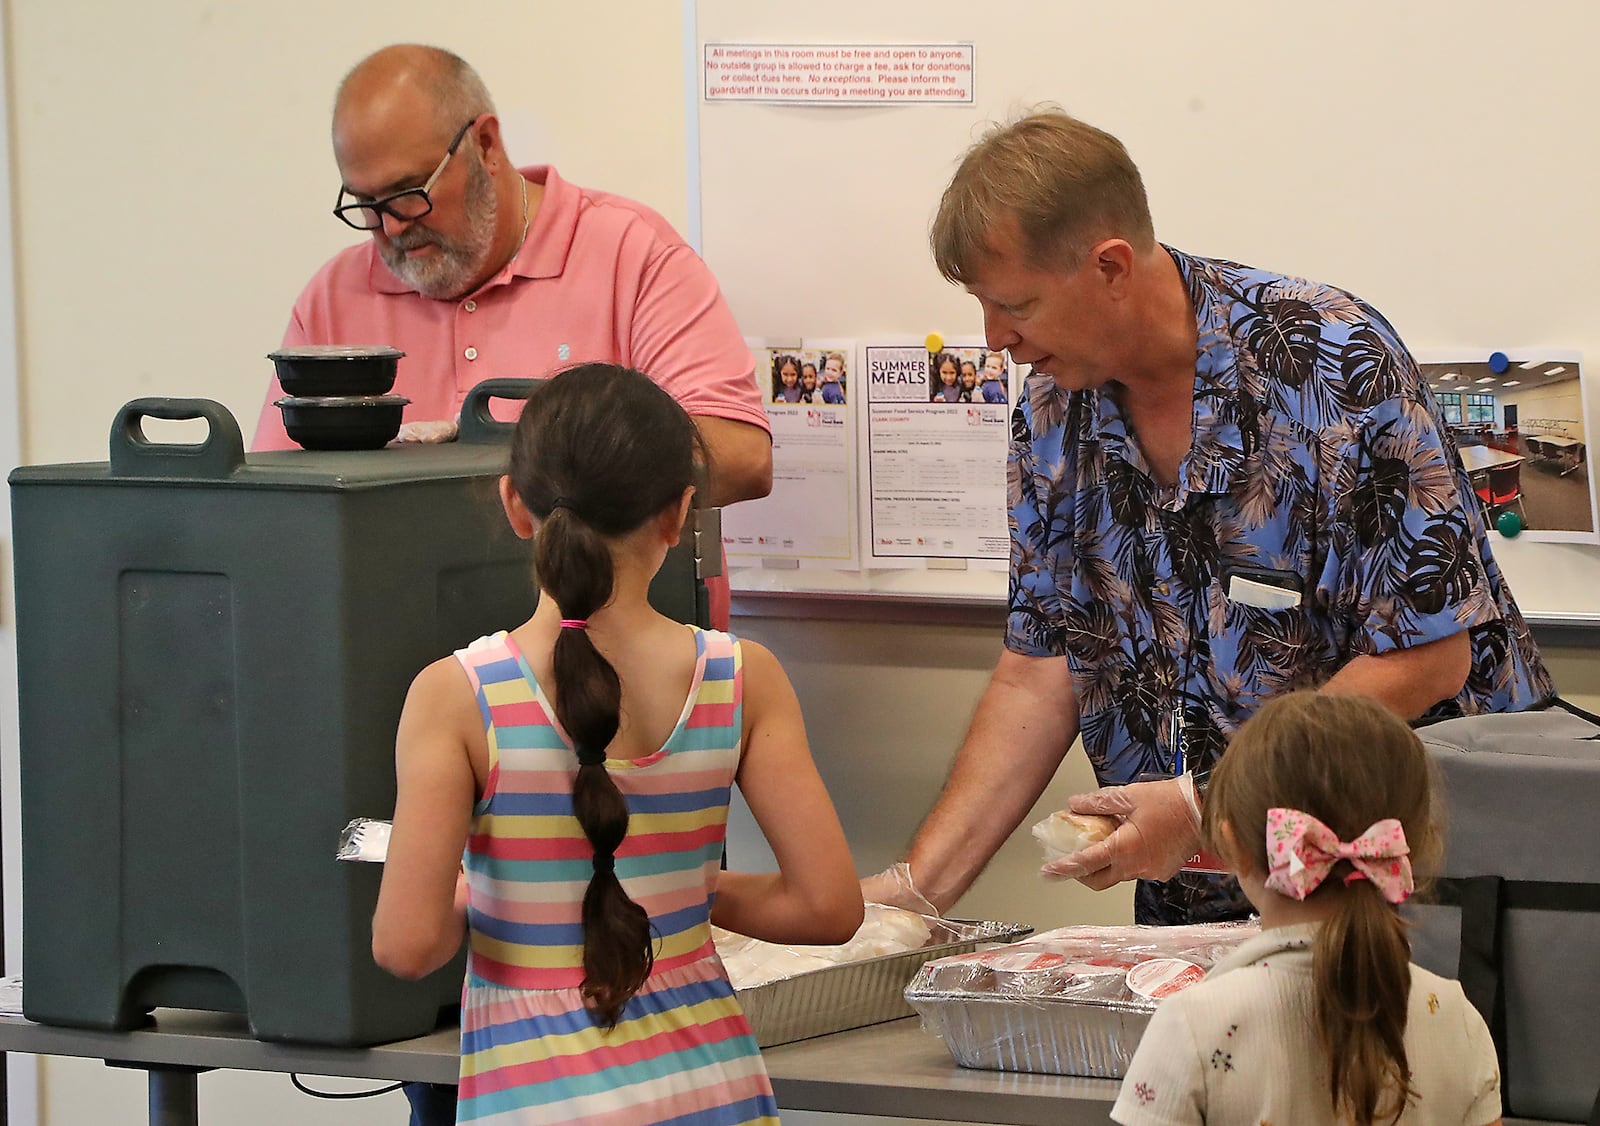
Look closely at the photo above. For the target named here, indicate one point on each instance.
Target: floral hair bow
(1301, 851)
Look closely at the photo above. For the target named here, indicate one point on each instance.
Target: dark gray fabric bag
(1515, 914)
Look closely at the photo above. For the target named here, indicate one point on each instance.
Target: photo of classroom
(1520, 433)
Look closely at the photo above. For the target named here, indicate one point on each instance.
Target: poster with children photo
(807, 375)
(809, 517)
(785, 366)
(967, 375)
(833, 376)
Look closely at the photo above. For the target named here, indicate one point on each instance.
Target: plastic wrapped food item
(752, 962)
(792, 992)
(1063, 833)
(365, 838)
(883, 930)
(1072, 1001)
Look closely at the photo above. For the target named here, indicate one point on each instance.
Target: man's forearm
(1408, 681)
(741, 459)
(1023, 726)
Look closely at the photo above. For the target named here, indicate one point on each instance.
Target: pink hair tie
(574, 623)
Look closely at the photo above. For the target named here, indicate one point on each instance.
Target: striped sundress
(530, 1052)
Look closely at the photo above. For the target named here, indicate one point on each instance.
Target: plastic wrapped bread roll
(884, 930)
(1063, 833)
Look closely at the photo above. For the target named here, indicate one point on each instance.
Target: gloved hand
(429, 431)
(893, 887)
(1160, 830)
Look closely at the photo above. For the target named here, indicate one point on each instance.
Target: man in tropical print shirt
(1224, 484)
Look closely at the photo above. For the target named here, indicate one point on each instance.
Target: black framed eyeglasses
(413, 203)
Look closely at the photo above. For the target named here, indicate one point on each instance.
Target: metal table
(182, 1043)
(888, 1070)
(892, 1070)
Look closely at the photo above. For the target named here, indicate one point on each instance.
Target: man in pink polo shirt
(476, 269)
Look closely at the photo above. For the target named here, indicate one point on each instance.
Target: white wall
(1437, 158)
(1558, 401)
(21, 1085)
(174, 178)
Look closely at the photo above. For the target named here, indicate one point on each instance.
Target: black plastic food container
(336, 369)
(342, 422)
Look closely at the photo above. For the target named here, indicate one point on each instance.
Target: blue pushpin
(1499, 362)
(1509, 524)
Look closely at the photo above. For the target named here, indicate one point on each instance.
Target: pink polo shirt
(598, 277)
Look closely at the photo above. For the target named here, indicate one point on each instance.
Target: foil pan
(856, 994)
(1061, 1038)
(1072, 1001)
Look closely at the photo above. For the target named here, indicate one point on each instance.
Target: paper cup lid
(1162, 977)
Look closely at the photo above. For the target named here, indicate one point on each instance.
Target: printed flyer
(934, 455)
(810, 515)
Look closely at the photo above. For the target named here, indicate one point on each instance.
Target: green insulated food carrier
(213, 651)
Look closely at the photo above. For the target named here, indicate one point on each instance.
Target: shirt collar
(544, 249)
(1290, 944)
(1217, 455)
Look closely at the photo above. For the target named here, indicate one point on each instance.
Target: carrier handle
(216, 458)
(477, 424)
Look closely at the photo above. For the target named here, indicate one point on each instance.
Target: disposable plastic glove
(1160, 830)
(893, 887)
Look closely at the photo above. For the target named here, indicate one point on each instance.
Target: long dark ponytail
(599, 450)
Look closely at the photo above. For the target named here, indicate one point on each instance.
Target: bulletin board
(1437, 159)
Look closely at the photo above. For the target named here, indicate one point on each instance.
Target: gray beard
(449, 273)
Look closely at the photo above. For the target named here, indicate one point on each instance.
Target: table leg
(174, 1096)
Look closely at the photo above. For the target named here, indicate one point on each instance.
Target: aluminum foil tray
(1073, 1001)
(1060, 1038)
(856, 994)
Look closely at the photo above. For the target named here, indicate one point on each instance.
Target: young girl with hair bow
(1322, 805)
(563, 792)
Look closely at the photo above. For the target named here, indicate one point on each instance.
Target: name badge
(1253, 592)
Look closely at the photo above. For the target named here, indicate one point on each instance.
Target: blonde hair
(1068, 184)
(1349, 762)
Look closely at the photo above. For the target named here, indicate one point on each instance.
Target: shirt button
(471, 353)
(1161, 588)
(471, 306)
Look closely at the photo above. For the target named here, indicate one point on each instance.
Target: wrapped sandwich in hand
(1063, 833)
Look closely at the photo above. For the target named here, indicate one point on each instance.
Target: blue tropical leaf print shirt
(1320, 467)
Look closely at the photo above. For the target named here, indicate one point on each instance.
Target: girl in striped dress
(563, 796)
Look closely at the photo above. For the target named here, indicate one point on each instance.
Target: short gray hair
(1068, 184)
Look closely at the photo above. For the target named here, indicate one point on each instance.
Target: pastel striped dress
(530, 1052)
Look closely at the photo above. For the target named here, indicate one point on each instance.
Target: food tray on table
(1073, 1001)
(820, 997)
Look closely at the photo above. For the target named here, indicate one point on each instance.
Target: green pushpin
(1509, 524)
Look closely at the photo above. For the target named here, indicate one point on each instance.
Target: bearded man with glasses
(477, 269)
(434, 263)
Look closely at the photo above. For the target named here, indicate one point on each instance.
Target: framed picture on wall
(1521, 424)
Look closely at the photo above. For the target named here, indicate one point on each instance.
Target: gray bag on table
(1515, 914)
